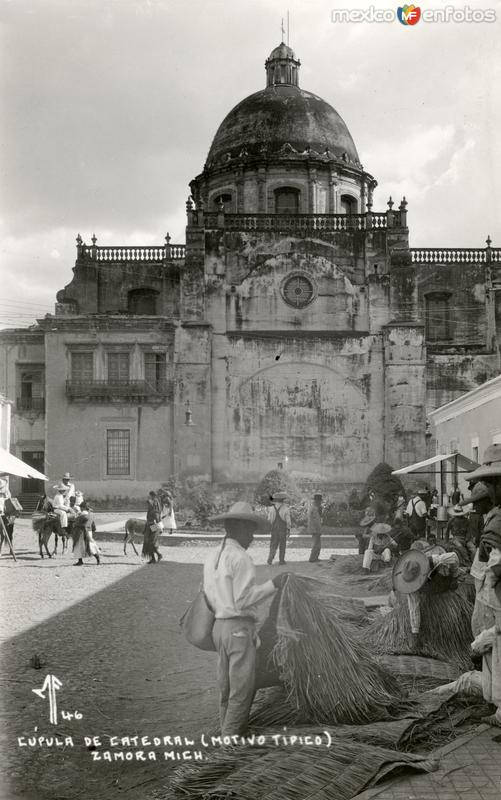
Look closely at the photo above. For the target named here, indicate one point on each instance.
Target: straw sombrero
(410, 572)
(60, 487)
(278, 496)
(479, 492)
(67, 477)
(368, 518)
(457, 511)
(381, 527)
(242, 511)
(491, 465)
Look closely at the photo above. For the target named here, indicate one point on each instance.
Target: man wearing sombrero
(69, 491)
(279, 518)
(233, 594)
(486, 619)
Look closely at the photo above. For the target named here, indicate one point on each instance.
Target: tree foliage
(277, 480)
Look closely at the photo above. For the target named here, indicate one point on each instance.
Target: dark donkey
(46, 523)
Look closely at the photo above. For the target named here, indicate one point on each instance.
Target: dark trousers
(278, 542)
(315, 550)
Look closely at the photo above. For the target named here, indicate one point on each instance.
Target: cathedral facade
(295, 326)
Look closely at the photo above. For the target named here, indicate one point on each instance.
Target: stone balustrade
(454, 255)
(154, 253)
(284, 223)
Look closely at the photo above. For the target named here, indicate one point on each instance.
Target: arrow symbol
(51, 685)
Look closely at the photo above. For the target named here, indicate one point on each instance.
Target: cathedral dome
(282, 115)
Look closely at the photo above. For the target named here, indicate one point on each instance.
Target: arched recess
(348, 204)
(142, 302)
(308, 412)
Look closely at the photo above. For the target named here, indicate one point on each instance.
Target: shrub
(277, 480)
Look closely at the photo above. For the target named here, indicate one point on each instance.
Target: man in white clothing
(232, 592)
(69, 487)
(61, 505)
(417, 512)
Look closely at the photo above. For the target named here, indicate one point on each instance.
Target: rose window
(298, 291)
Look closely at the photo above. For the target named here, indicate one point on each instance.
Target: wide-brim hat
(67, 477)
(479, 492)
(60, 487)
(381, 527)
(278, 496)
(368, 518)
(410, 572)
(242, 511)
(422, 490)
(491, 465)
(318, 494)
(456, 511)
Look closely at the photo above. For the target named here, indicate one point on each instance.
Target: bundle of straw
(271, 709)
(445, 631)
(345, 609)
(340, 772)
(329, 674)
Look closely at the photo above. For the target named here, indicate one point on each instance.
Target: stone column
(405, 393)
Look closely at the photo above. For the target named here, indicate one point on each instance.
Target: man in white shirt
(417, 513)
(69, 491)
(232, 592)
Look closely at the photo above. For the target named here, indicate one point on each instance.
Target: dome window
(348, 204)
(298, 291)
(287, 200)
(226, 199)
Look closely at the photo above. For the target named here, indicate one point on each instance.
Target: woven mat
(340, 772)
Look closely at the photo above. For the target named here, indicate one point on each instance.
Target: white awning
(465, 463)
(10, 465)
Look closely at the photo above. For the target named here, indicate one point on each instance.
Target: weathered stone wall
(306, 397)
(405, 392)
(194, 387)
(101, 288)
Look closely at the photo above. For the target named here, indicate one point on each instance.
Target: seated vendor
(380, 545)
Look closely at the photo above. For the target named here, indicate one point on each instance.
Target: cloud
(113, 113)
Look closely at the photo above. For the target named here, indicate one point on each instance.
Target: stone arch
(309, 412)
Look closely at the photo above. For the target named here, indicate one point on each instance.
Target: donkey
(133, 526)
(46, 523)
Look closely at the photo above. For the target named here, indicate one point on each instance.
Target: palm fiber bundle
(329, 675)
(445, 631)
(340, 771)
(346, 609)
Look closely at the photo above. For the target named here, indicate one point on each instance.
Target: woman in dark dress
(151, 537)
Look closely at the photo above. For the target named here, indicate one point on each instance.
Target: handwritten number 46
(51, 685)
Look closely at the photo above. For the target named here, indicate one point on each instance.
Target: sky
(110, 106)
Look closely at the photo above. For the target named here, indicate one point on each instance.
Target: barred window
(118, 452)
(118, 367)
(82, 367)
(155, 367)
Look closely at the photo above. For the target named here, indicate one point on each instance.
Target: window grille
(118, 452)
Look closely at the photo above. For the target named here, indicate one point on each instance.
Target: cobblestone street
(110, 634)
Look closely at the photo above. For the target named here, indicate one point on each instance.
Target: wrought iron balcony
(116, 391)
(35, 404)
